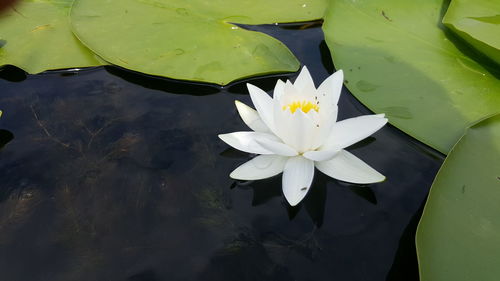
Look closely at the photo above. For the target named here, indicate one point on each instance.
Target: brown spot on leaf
(385, 16)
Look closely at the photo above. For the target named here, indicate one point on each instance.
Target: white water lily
(297, 130)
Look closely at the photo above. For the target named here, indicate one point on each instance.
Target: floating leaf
(191, 40)
(36, 36)
(398, 60)
(477, 22)
(459, 234)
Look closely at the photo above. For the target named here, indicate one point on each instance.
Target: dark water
(110, 175)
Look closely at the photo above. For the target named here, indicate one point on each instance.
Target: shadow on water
(266, 83)
(194, 88)
(314, 203)
(12, 73)
(405, 266)
(163, 84)
(265, 190)
(5, 137)
(365, 192)
(326, 57)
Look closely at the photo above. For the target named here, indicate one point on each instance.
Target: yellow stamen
(305, 106)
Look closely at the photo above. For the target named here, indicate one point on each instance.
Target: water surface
(112, 175)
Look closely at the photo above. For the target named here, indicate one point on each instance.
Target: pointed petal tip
(297, 179)
(292, 203)
(239, 105)
(304, 81)
(251, 87)
(349, 168)
(382, 116)
(235, 175)
(294, 200)
(382, 179)
(338, 73)
(280, 83)
(224, 137)
(260, 167)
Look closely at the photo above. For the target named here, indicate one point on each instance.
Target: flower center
(305, 106)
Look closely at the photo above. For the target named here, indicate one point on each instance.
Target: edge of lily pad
(466, 130)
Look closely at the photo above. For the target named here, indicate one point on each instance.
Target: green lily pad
(477, 22)
(459, 234)
(36, 36)
(191, 40)
(397, 60)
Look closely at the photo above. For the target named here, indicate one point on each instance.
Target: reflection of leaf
(232, 263)
(398, 60)
(35, 36)
(190, 40)
(216, 214)
(477, 22)
(459, 234)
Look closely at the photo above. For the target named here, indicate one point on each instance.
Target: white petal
(327, 118)
(278, 89)
(297, 179)
(247, 141)
(290, 94)
(282, 119)
(277, 147)
(349, 168)
(330, 89)
(304, 83)
(352, 130)
(302, 131)
(263, 103)
(260, 167)
(320, 155)
(251, 117)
